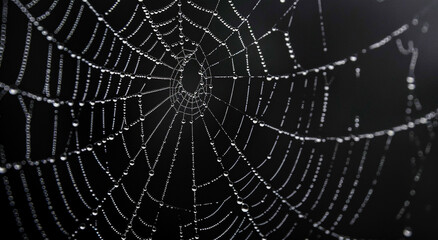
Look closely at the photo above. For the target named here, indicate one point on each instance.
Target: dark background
(378, 98)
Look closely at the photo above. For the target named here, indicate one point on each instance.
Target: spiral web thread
(123, 87)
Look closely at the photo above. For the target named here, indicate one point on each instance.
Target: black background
(378, 97)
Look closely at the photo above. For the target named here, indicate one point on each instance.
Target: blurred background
(84, 118)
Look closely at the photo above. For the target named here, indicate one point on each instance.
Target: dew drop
(56, 103)
(89, 147)
(245, 208)
(13, 91)
(75, 123)
(82, 226)
(407, 232)
(17, 166)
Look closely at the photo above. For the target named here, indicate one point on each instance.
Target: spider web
(207, 120)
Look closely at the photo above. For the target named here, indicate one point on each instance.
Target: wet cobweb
(218, 119)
